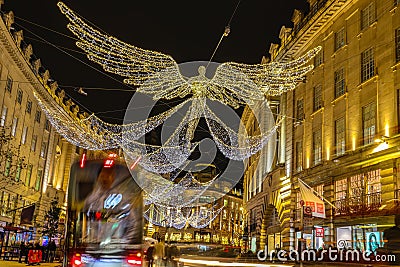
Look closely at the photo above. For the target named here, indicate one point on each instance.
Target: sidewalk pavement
(4, 263)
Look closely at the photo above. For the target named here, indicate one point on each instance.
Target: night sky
(186, 30)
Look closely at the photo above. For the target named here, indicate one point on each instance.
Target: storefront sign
(315, 203)
(319, 232)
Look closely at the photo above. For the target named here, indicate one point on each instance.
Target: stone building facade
(35, 159)
(341, 134)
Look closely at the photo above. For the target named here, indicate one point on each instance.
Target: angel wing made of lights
(158, 74)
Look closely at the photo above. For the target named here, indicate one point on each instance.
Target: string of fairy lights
(184, 193)
(170, 202)
(197, 217)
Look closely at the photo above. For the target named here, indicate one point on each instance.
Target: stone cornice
(301, 37)
(40, 86)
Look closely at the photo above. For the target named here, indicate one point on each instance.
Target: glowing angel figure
(157, 74)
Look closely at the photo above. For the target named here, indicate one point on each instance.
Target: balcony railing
(359, 205)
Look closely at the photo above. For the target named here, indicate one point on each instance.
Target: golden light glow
(285, 194)
(387, 129)
(284, 188)
(286, 181)
(353, 142)
(328, 152)
(380, 147)
(376, 160)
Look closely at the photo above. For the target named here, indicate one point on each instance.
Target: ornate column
(58, 180)
(282, 137)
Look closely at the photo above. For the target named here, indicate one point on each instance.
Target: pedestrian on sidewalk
(22, 251)
(150, 254)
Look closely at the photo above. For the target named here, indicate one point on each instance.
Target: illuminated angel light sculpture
(157, 74)
(197, 217)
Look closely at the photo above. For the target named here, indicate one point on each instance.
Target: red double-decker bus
(104, 216)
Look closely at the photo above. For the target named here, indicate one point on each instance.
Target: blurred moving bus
(104, 216)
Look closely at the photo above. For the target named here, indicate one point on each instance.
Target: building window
(299, 156)
(397, 44)
(38, 115)
(12, 203)
(28, 175)
(356, 186)
(340, 189)
(33, 144)
(317, 97)
(18, 171)
(14, 126)
(340, 136)
(319, 58)
(298, 200)
(368, 121)
(9, 84)
(339, 83)
(300, 110)
(374, 181)
(320, 190)
(38, 180)
(47, 125)
(317, 147)
(3, 116)
(43, 149)
(4, 202)
(8, 164)
(368, 15)
(19, 96)
(29, 107)
(367, 64)
(253, 219)
(24, 133)
(339, 39)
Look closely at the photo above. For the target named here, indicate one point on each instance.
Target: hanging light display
(156, 74)
(197, 217)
